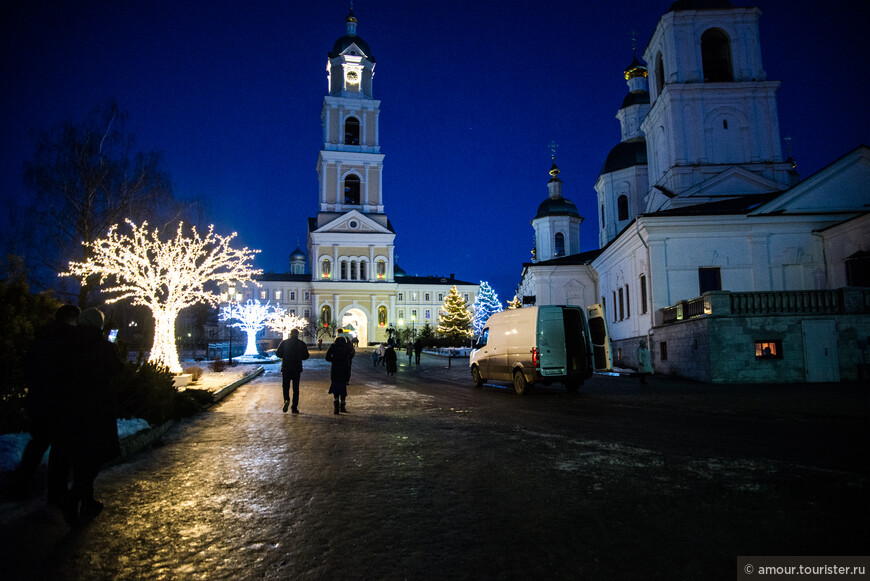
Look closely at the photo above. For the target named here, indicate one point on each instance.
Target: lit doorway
(355, 322)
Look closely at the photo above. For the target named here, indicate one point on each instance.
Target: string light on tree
(165, 276)
(456, 319)
(251, 318)
(484, 306)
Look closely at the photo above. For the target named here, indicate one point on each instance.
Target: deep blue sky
(471, 94)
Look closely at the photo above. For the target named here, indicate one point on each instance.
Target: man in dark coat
(47, 363)
(340, 354)
(418, 349)
(292, 351)
(88, 432)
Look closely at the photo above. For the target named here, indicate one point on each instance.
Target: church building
(349, 275)
(711, 248)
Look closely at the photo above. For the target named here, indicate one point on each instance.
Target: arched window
(362, 270)
(382, 269)
(325, 269)
(382, 316)
(716, 57)
(325, 316)
(660, 74)
(351, 190)
(353, 270)
(351, 131)
(343, 268)
(622, 207)
(560, 244)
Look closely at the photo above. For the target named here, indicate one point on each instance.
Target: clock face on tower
(352, 77)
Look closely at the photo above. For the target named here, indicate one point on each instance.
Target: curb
(132, 445)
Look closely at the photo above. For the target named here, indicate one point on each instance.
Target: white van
(543, 344)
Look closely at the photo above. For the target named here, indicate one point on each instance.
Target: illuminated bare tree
(285, 322)
(164, 276)
(251, 318)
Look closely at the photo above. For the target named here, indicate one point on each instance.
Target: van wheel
(521, 386)
(573, 386)
(476, 379)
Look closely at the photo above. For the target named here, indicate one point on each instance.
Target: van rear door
(551, 341)
(602, 354)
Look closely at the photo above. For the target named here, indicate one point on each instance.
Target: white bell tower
(712, 107)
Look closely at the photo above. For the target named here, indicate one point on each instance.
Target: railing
(768, 303)
(719, 303)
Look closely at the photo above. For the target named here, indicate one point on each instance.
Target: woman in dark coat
(340, 354)
(390, 359)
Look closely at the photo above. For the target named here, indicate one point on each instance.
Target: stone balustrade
(726, 303)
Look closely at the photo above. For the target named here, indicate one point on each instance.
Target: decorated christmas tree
(455, 319)
(484, 306)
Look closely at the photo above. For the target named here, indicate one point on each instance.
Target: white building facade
(699, 204)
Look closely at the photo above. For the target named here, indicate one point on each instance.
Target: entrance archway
(355, 320)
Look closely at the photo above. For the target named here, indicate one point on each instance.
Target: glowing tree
(285, 322)
(456, 320)
(516, 303)
(251, 318)
(484, 306)
(164, 276)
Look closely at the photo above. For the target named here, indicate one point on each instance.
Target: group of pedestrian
(71, 407)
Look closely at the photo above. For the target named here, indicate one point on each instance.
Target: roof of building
(557, 207)
(635, 98)
(282, 277)
(700, 5)
(736, 205)
(297, 254)
(625, 154)
(579, 258)
(434, 280)
(351, 38)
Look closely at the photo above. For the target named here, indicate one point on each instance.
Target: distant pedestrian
(319, 344)
(391, 360)
(409, 349)
(644, 364)
(375, 357)
(88, 434)
(340, 355)
(292, 351)
(418, 349)
(47, 362)
(382, 349)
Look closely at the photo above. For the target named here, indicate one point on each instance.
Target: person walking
(340, 354)
(292, 351)
(409, 350)
(418, 349)
(390, 358)
(88, 430)
(375, 357)
(46, 362)
(381, 351)
(644, 364)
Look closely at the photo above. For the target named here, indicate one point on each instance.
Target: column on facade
(367, 167)
(389, 273)
(372, 274)
(392, 311)
(658, 275)
(336, 270)
(759, 253)
(339, 195)
(373, 322)
(335, 312)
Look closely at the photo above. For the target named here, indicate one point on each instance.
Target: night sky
(471, 94)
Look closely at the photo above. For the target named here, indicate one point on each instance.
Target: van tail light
(536, 357)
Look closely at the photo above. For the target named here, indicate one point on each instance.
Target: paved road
(429, 478)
